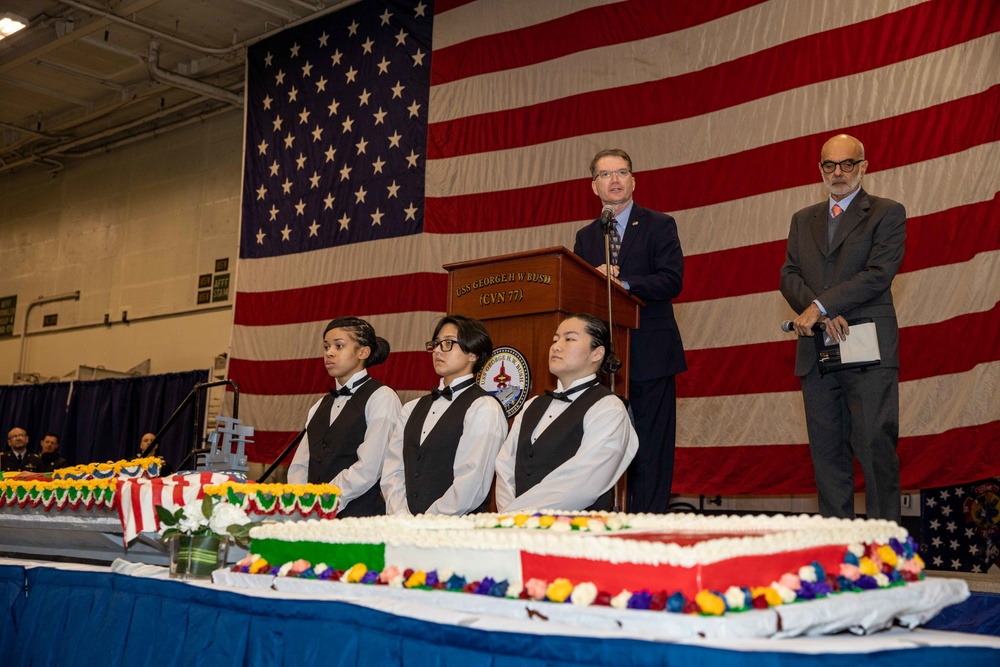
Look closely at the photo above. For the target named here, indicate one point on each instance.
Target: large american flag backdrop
(389, 138)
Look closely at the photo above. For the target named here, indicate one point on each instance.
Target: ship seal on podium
(506, 375)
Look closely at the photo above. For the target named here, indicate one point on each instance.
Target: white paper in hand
(860, 345)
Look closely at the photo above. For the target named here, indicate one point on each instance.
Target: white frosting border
(784, 533)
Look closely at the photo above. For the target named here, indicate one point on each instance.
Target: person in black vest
(49, 459)
(441, 456)
(567, 448)
(17, 458)
(347, 430)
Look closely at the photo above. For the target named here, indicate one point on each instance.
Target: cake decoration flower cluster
(59, 494)
(578, 521)
(148, 466)
(865, 567)
(320, 500)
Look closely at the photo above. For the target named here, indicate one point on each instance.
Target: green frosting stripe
(337, 556)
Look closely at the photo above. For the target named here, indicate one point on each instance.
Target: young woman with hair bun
(347, 431)
(567, 448)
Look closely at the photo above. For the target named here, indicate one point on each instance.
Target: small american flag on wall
(961, 527)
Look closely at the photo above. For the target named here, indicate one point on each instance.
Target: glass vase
(196, 556)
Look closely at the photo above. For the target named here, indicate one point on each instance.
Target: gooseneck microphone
(607, 224)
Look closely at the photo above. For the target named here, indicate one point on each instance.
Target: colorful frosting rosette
(865, 567)
(556, 522)
(317, 500)
(145, 467)
(133, 470)
(59, 494)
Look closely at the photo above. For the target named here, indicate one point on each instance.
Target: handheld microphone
(788, 327)
(607, 217)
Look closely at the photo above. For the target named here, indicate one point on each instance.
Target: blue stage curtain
(11, 600)
(109, 620)
(106, 418)
(37, 408)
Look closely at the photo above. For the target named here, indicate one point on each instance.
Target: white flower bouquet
(198, 535)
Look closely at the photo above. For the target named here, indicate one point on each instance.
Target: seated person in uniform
(50, 458)
(17, 458)
(567, 448)
(347, 431)
(441, 455)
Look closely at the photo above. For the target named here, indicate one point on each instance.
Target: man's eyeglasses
(446, 345)
(605, 175)
(847, 166)
(17, 436)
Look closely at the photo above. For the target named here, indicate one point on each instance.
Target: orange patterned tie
(836, 210)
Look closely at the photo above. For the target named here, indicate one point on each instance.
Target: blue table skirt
(11, 602)
(104, 619)
(979, 614)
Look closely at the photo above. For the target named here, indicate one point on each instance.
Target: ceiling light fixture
(11, 23)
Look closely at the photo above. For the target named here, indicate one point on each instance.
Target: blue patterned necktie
(616, 244)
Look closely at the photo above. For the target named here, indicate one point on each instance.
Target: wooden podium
(522, 297)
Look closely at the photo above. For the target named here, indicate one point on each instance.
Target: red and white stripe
(138, 498)
(723, 107)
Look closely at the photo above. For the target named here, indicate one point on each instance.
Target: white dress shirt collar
(576, 383)
(354, 378)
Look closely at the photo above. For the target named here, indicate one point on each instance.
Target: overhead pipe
(271, 9)
(64, 69)
(69, 296)
(184, 83)
(201, 48)
(18, 128)
(69, 125)
(62, 149)
(200, 118)
(153, 32)
(54, 166)
(112, 48)
(110, 16)
(314, 6)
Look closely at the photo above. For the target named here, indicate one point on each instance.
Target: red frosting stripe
(680, 538)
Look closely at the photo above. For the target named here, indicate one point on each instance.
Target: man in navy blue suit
(648, 262)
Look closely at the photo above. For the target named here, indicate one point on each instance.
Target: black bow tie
(349, 390)
(448, 392)
(564, 395)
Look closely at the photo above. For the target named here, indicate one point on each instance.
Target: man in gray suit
(842, 257)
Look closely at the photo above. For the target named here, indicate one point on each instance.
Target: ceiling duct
(184, 83)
